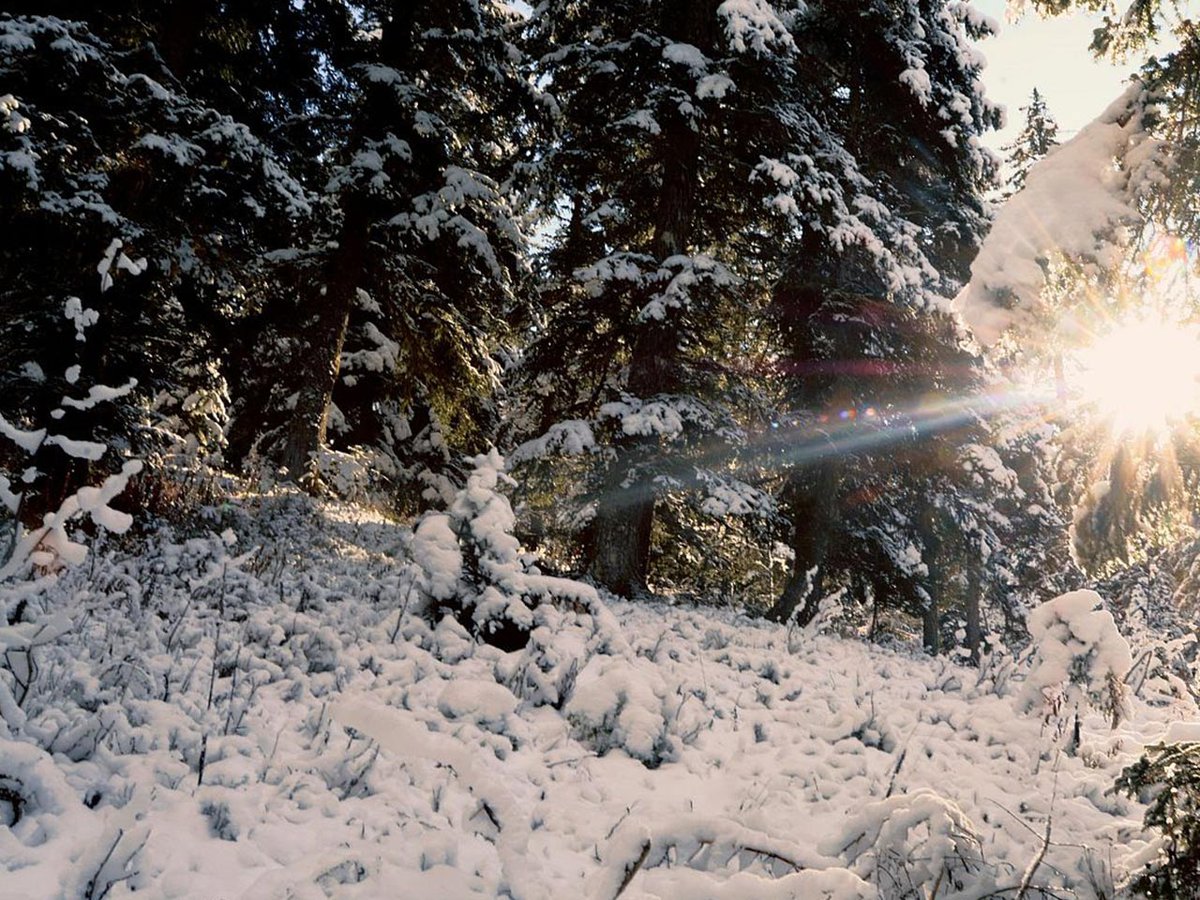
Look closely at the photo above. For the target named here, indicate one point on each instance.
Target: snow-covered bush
(472, 571)
(1077, 656)
(621, 704)
(910, 845)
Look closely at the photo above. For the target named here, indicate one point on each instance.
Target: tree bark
(931, 631)
(621, 537)
(179, 35)
(973, 604)
(931, 623)
(812, 506)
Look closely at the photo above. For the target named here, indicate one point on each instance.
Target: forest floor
(251, 712)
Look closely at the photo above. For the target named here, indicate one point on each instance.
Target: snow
(97, 393)
(351, 753)
(755, 26)
(81, 317)
(14, 123)
(183, 152)
(571, 438)
(1078, 203)
(1077, 649)
(482, 702)
(686, 55)
(644, 120)
(29, 441)
(79, 449)
(112, 257)
(917, 81)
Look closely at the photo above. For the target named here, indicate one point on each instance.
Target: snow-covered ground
(257, 712)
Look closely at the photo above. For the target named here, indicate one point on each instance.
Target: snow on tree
(1083, 203)
(150, 210)
(473, 581)
(676, 156)
(413, 270)
(868, 460)
(1078, 657)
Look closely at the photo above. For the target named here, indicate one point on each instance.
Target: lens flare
(1143, 375)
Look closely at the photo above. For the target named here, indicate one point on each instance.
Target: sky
(1051, 54)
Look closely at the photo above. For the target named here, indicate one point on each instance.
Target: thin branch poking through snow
(631, 869)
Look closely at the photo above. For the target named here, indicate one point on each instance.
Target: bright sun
(1143, 374)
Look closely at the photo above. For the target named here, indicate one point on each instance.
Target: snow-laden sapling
(1077, 657)
(471, 574)
(49, 547)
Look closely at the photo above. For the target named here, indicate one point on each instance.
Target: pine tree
(146, 206)
(1038, 136)
(415, 270)
(881, 388)
(676, 162)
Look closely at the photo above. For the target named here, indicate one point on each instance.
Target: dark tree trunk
(931, 620)
(931, 633)
(811, 501)
(179, 35)
(973, 604)
(621, 538)
(330, 307)
(620, 551)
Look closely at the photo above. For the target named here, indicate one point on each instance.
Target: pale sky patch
(1051, 55)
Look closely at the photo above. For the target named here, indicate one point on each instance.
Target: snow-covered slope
(238, 715)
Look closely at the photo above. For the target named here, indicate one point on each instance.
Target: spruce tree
(144, 205)
(886, 398)
(415, 268)
(1038, 136)
(677, 163)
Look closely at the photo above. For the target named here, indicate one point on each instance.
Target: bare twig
(1027, 880)
(632, 868)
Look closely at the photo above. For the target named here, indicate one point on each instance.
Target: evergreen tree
(145, 206)
(416, 265)
(678, 161)
(853, 320)
(1038, 136)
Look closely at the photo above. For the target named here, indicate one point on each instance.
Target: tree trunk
(330, 308)
(621, 538)
(931, 632)
(179, 35)
(973, 603)
(812, 506)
